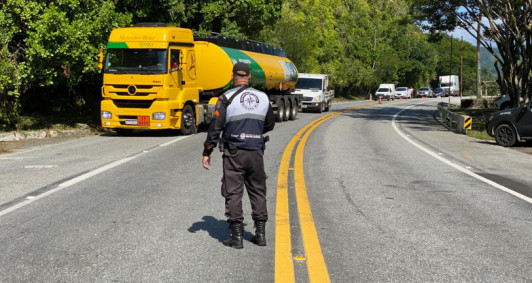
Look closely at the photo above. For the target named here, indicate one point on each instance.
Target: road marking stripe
(317, 269)
(284, 266)
(456, 166)
(78, 179)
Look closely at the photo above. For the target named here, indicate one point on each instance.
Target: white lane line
(174, 140)
(458, 167)
(78, 179)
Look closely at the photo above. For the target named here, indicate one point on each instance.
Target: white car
(402, 92)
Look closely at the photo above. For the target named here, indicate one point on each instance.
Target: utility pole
(479, 90)
(450, 68)
(461, 65)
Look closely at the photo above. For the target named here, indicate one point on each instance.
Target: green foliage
(245, 18)
(52, 46)
(359, 43)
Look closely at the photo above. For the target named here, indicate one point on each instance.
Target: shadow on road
(218, 229)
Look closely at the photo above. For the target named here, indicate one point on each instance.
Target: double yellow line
(284, 261)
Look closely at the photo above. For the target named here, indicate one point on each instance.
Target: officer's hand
(206, 162)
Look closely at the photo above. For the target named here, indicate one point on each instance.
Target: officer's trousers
(244, 168)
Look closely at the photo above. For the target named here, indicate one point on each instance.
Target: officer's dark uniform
(243, 122)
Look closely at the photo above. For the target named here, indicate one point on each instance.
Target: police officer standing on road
(243, 114)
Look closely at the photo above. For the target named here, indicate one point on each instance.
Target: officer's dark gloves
(208, 150)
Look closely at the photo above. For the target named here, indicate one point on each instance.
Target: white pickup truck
(317, 94)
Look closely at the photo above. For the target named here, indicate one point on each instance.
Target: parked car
(424, 92)
(503, 102)
(511, 125)
(439, 92)
(402, 92)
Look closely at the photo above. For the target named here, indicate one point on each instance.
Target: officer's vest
(244, 121)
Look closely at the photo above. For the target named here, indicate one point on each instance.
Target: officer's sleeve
(269, 121)
(215, 129)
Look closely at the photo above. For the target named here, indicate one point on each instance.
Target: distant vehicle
(438, 92)
(503, 102)
(317, 94)
(450, 84)
(402, 92)
(386, 91)
(511, 125)
(424, 92)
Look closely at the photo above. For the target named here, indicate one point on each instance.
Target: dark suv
(510, 125)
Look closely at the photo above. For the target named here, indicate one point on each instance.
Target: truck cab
(317, 94)
(386, 91)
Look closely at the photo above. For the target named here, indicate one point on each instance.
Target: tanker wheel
(188, 121)
(293, 110)
(280, 111)
(287, 108)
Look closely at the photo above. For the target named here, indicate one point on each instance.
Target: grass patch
(478, 127)
(348, 98)
(55, 121)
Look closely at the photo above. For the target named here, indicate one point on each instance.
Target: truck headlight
(159, 116)
(106, 115)
(317, 98)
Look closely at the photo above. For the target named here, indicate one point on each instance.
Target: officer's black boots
(260, 233)
(237, 235)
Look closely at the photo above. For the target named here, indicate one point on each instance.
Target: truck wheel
(328, 106)
(287, 108)
(293, 110)
(280, 111)
(321, 107)
(505, 135)
(188, 121)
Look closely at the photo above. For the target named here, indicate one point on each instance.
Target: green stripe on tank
(117, 45)
(258, 78)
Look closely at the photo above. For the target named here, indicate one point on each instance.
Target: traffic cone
(380, 100)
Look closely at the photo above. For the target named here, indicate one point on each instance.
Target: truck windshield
(445, 85)
(383, 90)
(136, 61)
(306, 83)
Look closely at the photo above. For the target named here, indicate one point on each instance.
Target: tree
(234, 17)
(507, 35)
(51, 47)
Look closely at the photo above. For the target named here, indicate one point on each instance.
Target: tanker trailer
(158, 77)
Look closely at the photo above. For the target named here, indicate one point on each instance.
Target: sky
(459, 33)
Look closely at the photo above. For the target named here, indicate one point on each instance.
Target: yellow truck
(158, 77)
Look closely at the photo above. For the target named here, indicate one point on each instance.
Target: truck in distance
(385, 91)
(158, 77)
(317, 94)
(450, 84)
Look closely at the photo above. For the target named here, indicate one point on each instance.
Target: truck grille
(306, 98)
(122, 103)
(141, 90)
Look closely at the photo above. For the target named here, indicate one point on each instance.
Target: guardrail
(460, 123)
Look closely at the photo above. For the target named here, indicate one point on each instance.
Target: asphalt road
(394, 195)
